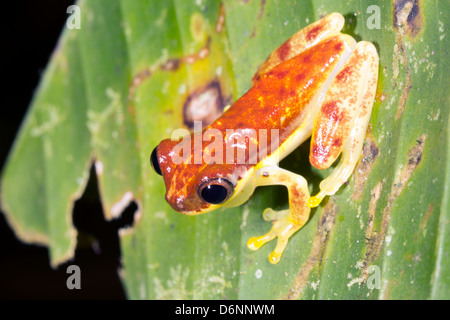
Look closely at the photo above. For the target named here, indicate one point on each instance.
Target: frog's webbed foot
(282, 229)
(285, 222)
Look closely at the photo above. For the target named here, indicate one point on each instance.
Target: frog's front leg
(286, 222)
(341, 123)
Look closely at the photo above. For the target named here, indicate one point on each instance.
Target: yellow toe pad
(316, 200)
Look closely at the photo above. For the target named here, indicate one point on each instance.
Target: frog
(319, 84)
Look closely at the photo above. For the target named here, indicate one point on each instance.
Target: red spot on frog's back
(325, 151)
(338, 46)
(279, 74)
(318, 155)
(337, 142)
(283, 50)
(331, 111)
(312, 34)
(300, 76)
(344, 74)
(306, 58)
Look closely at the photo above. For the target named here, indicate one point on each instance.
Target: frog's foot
(316, 200)
(271, 215)
(283, 228)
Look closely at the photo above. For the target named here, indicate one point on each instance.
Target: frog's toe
(283, 228)
(316, 200)
(272, 215)
(254, 243)
(275, 255)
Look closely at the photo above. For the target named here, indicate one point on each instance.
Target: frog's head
(194, 188)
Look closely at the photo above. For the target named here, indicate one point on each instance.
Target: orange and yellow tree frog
(321, 84)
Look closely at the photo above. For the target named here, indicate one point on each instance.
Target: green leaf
(123, 82)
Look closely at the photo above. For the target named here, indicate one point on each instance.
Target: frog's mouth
(201, 211)
(189, 207)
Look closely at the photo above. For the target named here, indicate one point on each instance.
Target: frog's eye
(154, 161)
(215, 191)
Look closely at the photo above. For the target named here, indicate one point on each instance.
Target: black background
(29, 32)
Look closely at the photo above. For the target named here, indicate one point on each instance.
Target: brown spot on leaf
(374, 197)
(408, 17)
(414, 157)
(405, 92)
(261, 9)
(197, 26)
(375, 239)
(372, 238)
(427, 215)
(370, 153)
(205, 104)
(221, 19)
(407, 22)
(201, 54)
(320, 241)
(424, 221)
(137, 80)
(171, 65)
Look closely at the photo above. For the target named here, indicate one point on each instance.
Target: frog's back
(279, 100)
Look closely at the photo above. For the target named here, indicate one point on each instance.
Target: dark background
(29, 32)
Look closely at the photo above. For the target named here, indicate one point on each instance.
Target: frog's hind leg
(305, 38)
(341, 123)
(286, 222)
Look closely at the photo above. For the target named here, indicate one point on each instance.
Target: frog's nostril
(154, 161)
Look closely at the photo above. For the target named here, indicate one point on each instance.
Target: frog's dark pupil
(154, 161)
(214, 193)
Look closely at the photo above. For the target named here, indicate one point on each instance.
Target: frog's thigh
(307, 37)
(287, 221)
(341, 123)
